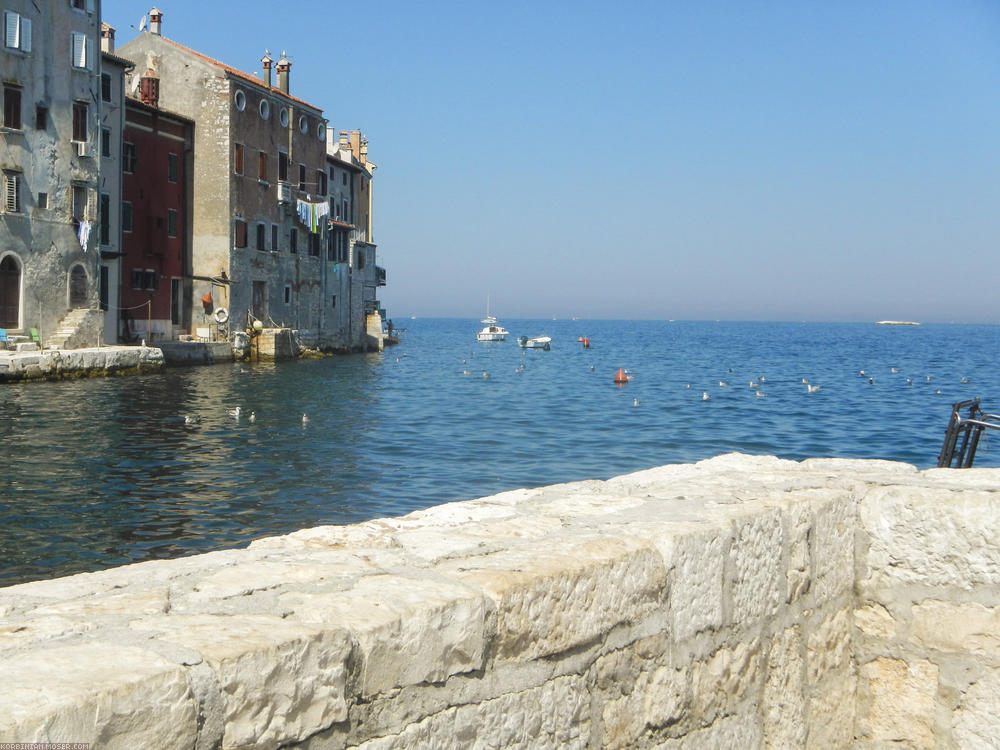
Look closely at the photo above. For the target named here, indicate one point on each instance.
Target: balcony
(380, 275)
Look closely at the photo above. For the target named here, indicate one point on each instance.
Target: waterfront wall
(737, 602)
(54, 364)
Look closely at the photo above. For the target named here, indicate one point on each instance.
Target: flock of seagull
(237, 414)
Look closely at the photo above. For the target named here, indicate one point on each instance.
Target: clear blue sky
(796, 160)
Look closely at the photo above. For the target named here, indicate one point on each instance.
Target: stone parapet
(738, 602)
(54, 364)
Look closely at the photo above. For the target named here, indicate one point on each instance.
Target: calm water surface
(102, 472)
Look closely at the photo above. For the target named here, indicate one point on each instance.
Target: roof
(240, 74)
(132, 102)
(112, 57)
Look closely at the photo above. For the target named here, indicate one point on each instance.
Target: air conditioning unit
(81, 148)
(284, 192)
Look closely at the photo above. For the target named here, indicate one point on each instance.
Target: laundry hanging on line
(311, 213)
(84, 234)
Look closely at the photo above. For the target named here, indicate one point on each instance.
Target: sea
(105, 471)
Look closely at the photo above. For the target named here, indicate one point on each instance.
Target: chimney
(283, 68)
(364, 150)
(155, 21)
(267, 61)
(356, 144)
(149, 88)
(107, 38)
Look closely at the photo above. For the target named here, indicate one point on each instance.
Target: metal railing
(958, 454)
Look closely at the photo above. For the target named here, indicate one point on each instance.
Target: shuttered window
(12, 192)
(12, 107)
(16, 31)
(82, 51)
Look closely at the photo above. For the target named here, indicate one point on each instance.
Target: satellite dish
(142, 23)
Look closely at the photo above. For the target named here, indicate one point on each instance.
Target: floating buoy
(586, 342)
(620, 377)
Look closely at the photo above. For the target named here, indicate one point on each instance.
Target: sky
(742, 160)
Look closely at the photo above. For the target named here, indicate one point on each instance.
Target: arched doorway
(77, 287)
(10, 292)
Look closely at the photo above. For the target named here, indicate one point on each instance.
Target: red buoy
(586, 342)
(620, 377)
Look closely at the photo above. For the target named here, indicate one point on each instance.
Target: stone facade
(738, 602)
(49, 158)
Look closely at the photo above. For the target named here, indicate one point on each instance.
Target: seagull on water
(235, 413)
(705, 396)
(723, 384)
(188, 419)
(754, 384)
(811, 388)
(305, 420)
(252, 418)
(635, 402)
(760, 394)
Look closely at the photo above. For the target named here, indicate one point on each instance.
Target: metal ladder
(970, 429)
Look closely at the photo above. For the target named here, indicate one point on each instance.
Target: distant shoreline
(896, 323)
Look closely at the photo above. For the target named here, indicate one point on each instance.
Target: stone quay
(742, 601)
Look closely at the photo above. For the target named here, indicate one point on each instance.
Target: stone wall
(737, 602)
(54, 364)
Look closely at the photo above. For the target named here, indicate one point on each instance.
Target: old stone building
(261, 247)
(49, 155)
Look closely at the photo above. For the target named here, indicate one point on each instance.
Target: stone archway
(77, 286)
(10, 292)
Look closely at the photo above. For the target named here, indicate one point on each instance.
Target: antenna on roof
(142, 23)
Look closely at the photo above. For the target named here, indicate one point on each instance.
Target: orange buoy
(620, 377)
(586, 342)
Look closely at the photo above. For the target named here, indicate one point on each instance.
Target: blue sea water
(102, 472)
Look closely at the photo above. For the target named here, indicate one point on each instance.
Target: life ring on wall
(221, 315)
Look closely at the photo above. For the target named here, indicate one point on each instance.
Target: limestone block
(833, 545)
(931, 536)
(967, 628)
(758, 585)
(829, 647)
(17, 632)
(553, 596)
(724, 679)
(552, 716)
(903, 697)
(264, 574)
(783, 704)
(261, 664)
(875, 620)
(798, 532)
(737, 731)
(666, 696)
(976, 722)
(695, 557)
(110, 696)
(409, 630)
(831, 715)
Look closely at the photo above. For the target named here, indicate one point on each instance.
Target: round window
(321, 131)
(303, 124)
(283, 117)
(240, 100)
(265, 109)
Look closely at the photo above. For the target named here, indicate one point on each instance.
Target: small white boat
(492, 332)
(538, 342)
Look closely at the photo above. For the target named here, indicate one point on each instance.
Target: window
(240, 230)
(176, 298)
(238, 158)
(16, 31)
(333, 301)
(145, 278)
(43, 200)
(314, 245)
(12, 107)
(274, 237)
(283, 117)
(12, 192)
(321, 182)
(126, 216)
(262, 167)
(128, 157)
(321, 132)
(240, 100)
(105, 87)
(82, 51)
(302, 177)
(293, 241)
(343, 178)
(288, 294)
(105, 219)
(344, 209)
(106, 142)
(80, 203)
(87, 5)
(264, 108)
(172, 167)
(331, 243)
(361, 260)
(41, 117)
(80, 121)
(171, 222)
(261, 234)
(105, 288)
(303, 124)
(282, 166)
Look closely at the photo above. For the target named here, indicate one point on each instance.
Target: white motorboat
(493, 332)
(538, 342)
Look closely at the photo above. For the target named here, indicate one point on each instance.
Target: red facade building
(157, 158)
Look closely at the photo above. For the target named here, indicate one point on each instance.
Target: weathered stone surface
(783, 708)
(829, 646)
(902, 701)
(875, 620)
(960, 627)
(260, 663)
(833, 545)
(976, 722)
(758, 585)
(554, 598)
(739, 731)
(831, 715)
(722, 680)
(110, 696)
(696, 558)
(933, 537)
(409, 630)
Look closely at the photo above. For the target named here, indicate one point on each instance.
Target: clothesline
(311, 213)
